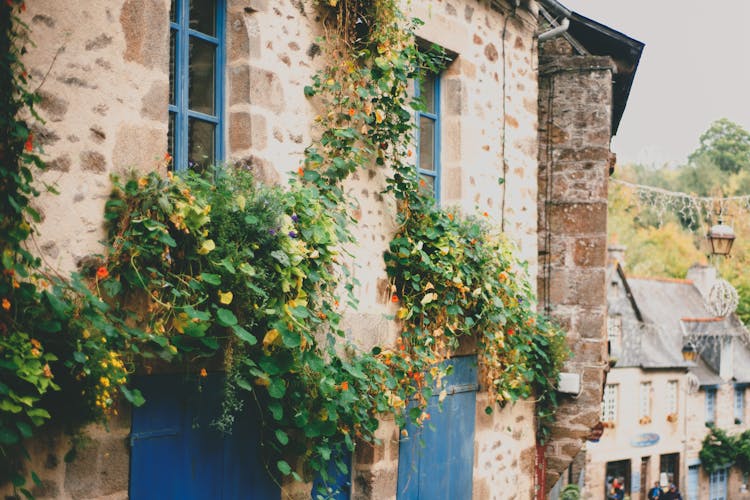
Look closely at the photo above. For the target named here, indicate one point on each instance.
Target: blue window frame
(710, 405)
(196, 83)
(428, 133)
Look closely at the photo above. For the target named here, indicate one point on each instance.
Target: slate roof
(668, 310)
(663, 303)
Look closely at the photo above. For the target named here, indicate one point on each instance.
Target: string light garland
(691, 209)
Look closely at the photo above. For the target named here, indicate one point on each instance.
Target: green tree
(726, 144)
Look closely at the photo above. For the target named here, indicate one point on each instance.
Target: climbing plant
(217, 270)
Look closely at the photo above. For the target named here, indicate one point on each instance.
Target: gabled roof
(671, 310)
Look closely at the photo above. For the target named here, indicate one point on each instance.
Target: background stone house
(656, 406)
(115, 87)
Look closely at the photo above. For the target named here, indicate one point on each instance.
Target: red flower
(29, 146)
(394, 298)
(102, 273)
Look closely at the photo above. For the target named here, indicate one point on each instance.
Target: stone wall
(104, 70)
(575, 103)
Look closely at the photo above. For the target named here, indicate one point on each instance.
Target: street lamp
(689, 352)
(721, 236)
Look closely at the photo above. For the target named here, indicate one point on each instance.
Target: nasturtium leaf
(277, 388)
(225, 317)
(211, 279)
(134, 396)
(243, 334)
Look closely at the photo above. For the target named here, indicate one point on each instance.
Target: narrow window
(672, 397)
(614, 334)
(428, 134)
(717, 481)
(644, 408)
(196, 42)
(739, 404)
(609, 403)
(710, 405)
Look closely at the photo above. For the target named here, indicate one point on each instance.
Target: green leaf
(282, 437)
(276, 409)
(244, 335)
(225, 317)
(281, 257)
(277, 388)
(24, 429)
(211, 279)
(134, 396)
(284, 467)
(8, 436)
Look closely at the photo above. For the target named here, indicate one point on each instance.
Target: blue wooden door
(177, 454)
(437, 463)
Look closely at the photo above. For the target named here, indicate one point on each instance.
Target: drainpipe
(558, 10)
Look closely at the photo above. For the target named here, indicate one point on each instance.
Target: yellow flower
(225, 297)
(104, 382)
(379, 116)
(206, 247)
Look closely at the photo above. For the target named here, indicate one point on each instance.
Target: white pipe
(557, 30)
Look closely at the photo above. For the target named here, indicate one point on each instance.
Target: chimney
(616, 255)
(703, 277)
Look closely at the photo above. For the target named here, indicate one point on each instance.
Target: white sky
(695, 69)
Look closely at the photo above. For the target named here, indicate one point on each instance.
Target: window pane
(200, 144)
(201, 76)
(426, 143)
(428, 92)
(172, 64)
(427, 184)
(202, 16)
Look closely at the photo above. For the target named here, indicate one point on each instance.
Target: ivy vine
(720, 450)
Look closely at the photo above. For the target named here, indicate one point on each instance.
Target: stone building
(539, 116)
(656, 437)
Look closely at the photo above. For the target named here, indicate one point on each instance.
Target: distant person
(672, 494)
(617, 490)
(655, 492)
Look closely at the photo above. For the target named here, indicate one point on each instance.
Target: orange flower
(422, 183)
(300, 171)
(408, 153)
(29, 146)
(450, 216)
(168, 157)
(394, 298)
(102, 273)
(204, 373)
(36, 343)
(47, 371)
(6, 304)
(344, 385)
(352, 111)
(485, 214)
